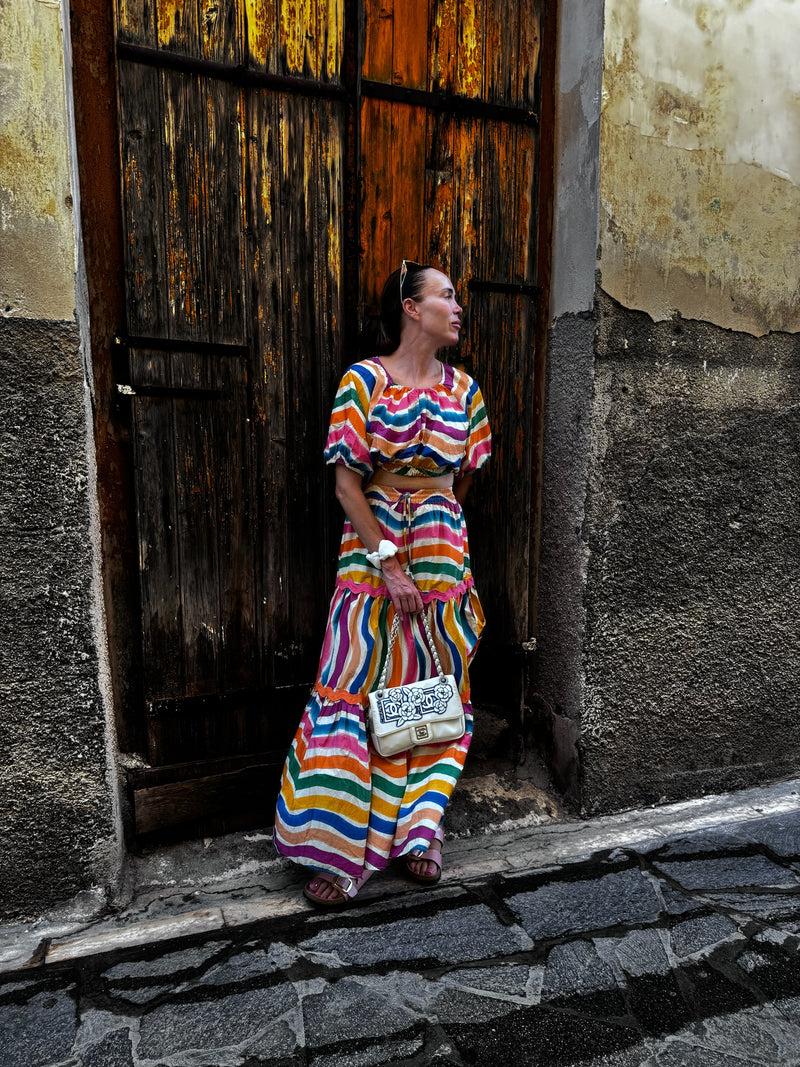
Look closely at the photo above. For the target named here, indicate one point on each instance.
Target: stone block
(369, 1014)
(639, 952)
(511, 980)
(557, 908)
(229, 1021)
(694, 935)
(454, 935)
(114, 1050)
(576, 970)
(728, 872)
(39, 1032)
(393, 1051)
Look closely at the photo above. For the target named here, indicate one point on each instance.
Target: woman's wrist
(391, 568)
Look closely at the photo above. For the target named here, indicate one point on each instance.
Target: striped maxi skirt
(343, 807)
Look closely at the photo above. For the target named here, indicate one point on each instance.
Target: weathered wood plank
(329, 268)
(235, 518)
(311, 38)
(219, 803)
(262, 34)
(197, 468)
(411, 44)
(296, 26)
(178, 26)
(203, 728)
(408, 201)
(332, 39)
(499, 239)
(290, 651)
(530, 44)
(184, 105)
(157, 529)
(135, 23)
(488, 349)
(519, 424)
(307, 215)
(526, 160)
(439, 192)
(443, 62)
(221, 210)
(221, 30)
(467, 185)
(142, 199)
(378, 39)
(470, 72)
(377, 169)
(500, 50)
(265, 270)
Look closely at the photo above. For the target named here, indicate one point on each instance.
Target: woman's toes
(421, 867)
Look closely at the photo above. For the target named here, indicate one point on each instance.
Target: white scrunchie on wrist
(385, 551)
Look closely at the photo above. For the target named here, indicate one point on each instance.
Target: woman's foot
(426, 867)
(333, 890)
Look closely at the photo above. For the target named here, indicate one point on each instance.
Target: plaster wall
(700, 160)
(37, 264)
(58, 830)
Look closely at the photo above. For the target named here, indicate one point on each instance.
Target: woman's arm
(404, 594)
(461, 487)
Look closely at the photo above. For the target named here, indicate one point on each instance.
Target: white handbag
(418, 713)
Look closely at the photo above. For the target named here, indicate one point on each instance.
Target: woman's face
(436, 309)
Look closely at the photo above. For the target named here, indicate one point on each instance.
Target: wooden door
(450, 116)
(277, 161)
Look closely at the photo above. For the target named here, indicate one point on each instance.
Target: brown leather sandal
(346, 888)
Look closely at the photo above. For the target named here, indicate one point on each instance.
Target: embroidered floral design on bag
(406, 704)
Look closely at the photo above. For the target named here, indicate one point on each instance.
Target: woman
(406, 434)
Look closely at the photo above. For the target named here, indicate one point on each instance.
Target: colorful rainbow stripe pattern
(342, 807)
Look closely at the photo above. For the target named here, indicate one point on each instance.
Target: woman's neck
(413, 366)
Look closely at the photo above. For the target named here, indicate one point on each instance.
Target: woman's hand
(404, 594)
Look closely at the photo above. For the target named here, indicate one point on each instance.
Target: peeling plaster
(700, 161)
(37, 263)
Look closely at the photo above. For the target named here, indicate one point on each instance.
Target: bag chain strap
(393, 635)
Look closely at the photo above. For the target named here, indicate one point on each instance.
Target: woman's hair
(381, 333)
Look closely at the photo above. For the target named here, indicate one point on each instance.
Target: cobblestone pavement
(674, 946)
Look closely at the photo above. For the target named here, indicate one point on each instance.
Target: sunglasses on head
(404, 271)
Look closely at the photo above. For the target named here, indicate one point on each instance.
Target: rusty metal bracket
(236, 74)
(449, 102)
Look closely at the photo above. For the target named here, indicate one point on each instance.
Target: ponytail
(381, 333)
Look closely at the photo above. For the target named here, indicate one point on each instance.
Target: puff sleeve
(479, 438)
(347, 441)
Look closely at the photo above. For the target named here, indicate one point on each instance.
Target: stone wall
(58, 827)
(691, 648)
(667, 632)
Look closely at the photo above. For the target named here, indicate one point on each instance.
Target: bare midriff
(409, 482)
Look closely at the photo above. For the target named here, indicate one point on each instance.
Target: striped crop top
(441, 429)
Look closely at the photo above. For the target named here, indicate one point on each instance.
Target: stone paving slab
(630, 956)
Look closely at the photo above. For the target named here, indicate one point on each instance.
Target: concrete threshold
(208, 885)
